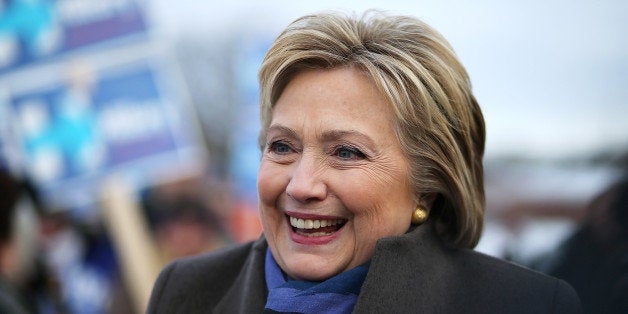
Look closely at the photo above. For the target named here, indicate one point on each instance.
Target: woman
(370, 186)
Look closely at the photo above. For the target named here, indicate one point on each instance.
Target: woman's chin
(312, 268)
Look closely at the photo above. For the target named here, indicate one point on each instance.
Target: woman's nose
(306, 183)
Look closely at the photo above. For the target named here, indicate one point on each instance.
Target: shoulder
(437, 278)
(518, 286)
(198, 281)
(499, 271)
(496, 268)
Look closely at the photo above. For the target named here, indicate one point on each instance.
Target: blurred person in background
(183, 223)
(25, 284)
(594, 260)
(370, 186)
(81, 259)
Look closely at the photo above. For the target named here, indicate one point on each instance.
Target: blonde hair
(438, 121)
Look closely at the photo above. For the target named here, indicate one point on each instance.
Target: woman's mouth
(316, 227)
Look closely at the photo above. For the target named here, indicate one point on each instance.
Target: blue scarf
(337, 294)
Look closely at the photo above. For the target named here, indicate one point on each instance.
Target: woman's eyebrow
(334, 135)
(326, 136)
(276, 128)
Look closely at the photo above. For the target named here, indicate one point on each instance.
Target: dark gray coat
(412, 273)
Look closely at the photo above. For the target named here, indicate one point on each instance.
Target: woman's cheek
(269, 184)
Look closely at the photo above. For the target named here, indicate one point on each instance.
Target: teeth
(313, 224)
(314, 234)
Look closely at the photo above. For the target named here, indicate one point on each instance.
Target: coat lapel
(403, 276)
(248, 293)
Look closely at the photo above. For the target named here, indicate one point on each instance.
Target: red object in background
(244, 223)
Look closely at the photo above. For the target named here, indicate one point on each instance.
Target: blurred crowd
(594, 259)
(54, 262)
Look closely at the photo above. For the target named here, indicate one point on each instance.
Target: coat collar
(248, 293)
(401, 274)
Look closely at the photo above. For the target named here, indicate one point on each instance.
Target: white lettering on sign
(87, 11)
(125, 121)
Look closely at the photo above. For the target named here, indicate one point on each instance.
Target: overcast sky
(551, 76)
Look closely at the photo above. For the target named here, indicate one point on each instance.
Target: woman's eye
(280, 148)
(349, 153)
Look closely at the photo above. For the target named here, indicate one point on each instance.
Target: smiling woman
(370, 186)
(331, 155)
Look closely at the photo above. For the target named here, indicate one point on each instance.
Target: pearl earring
(419, 215)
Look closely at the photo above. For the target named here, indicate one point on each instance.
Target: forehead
(337, 96)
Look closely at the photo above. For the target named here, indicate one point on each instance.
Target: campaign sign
(35, 30)
(95, 123)
(245, 153)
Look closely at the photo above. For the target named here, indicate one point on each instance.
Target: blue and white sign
(39, 30)
(75, 132)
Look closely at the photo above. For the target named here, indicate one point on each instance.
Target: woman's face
(333, 178)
